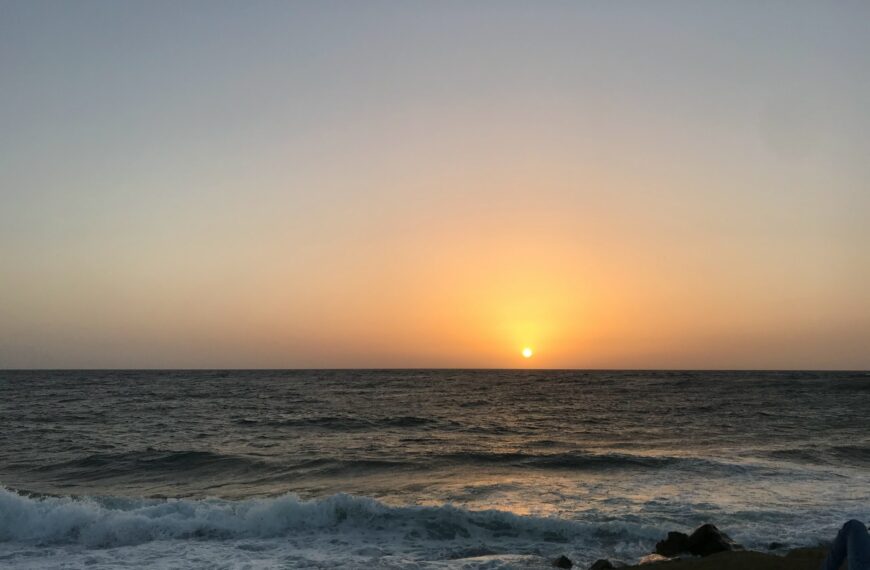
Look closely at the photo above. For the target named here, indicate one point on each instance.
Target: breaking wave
(109, 522)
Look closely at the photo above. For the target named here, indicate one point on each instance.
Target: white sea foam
(346, 531)
(342, 529)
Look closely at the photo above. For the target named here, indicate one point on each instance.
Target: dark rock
(775, 546)
(604, 564)
(707, 540)
(563, 562)
(675, 543)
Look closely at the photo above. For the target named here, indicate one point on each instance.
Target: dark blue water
(586, 463)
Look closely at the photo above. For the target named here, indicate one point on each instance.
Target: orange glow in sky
(328, 190)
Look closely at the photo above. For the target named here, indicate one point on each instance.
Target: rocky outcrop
(704, 541)
(674, 544)
(563, 562)
(797, 559)
(604, 564)
(707, 540)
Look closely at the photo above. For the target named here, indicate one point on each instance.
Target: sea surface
(419, 468)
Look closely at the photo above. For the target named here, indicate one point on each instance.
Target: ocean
(419, 468)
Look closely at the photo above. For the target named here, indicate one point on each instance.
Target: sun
(527, 352)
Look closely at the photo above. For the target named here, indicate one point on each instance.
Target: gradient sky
(435, 184)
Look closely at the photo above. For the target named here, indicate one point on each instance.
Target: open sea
(419, 468)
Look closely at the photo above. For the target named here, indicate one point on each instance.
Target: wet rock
(775, 546)
(707, 540)
(675, 543)
(604, 564)
(563, 562)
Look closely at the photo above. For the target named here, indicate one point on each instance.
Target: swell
(156, 465)
(340, 423)
(857, 455)
(153, 460)
(108, 522)
(190, 466)
(579, 461)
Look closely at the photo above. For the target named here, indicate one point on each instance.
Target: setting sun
(341, 233)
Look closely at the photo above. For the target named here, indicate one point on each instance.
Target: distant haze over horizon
(669, 185)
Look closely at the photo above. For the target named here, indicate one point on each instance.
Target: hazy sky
(341, 184)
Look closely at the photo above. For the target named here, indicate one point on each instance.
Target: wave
(191, 466)
(344, 423)
(858, 454)
(151, 460)
(852, 455)
(109, 522)
(330, 466)
(195, 466)
(583, 461)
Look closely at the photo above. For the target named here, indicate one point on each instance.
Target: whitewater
(419, 469)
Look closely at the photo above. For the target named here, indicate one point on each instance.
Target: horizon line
(420, 368)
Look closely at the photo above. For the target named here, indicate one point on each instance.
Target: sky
(208, 184)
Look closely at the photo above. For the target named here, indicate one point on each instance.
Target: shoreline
(795, 559)
(709, 548)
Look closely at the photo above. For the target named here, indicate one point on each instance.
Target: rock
(563, 562)
(604, 564)
(707, 540)
(675, 543)
(775, 546)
